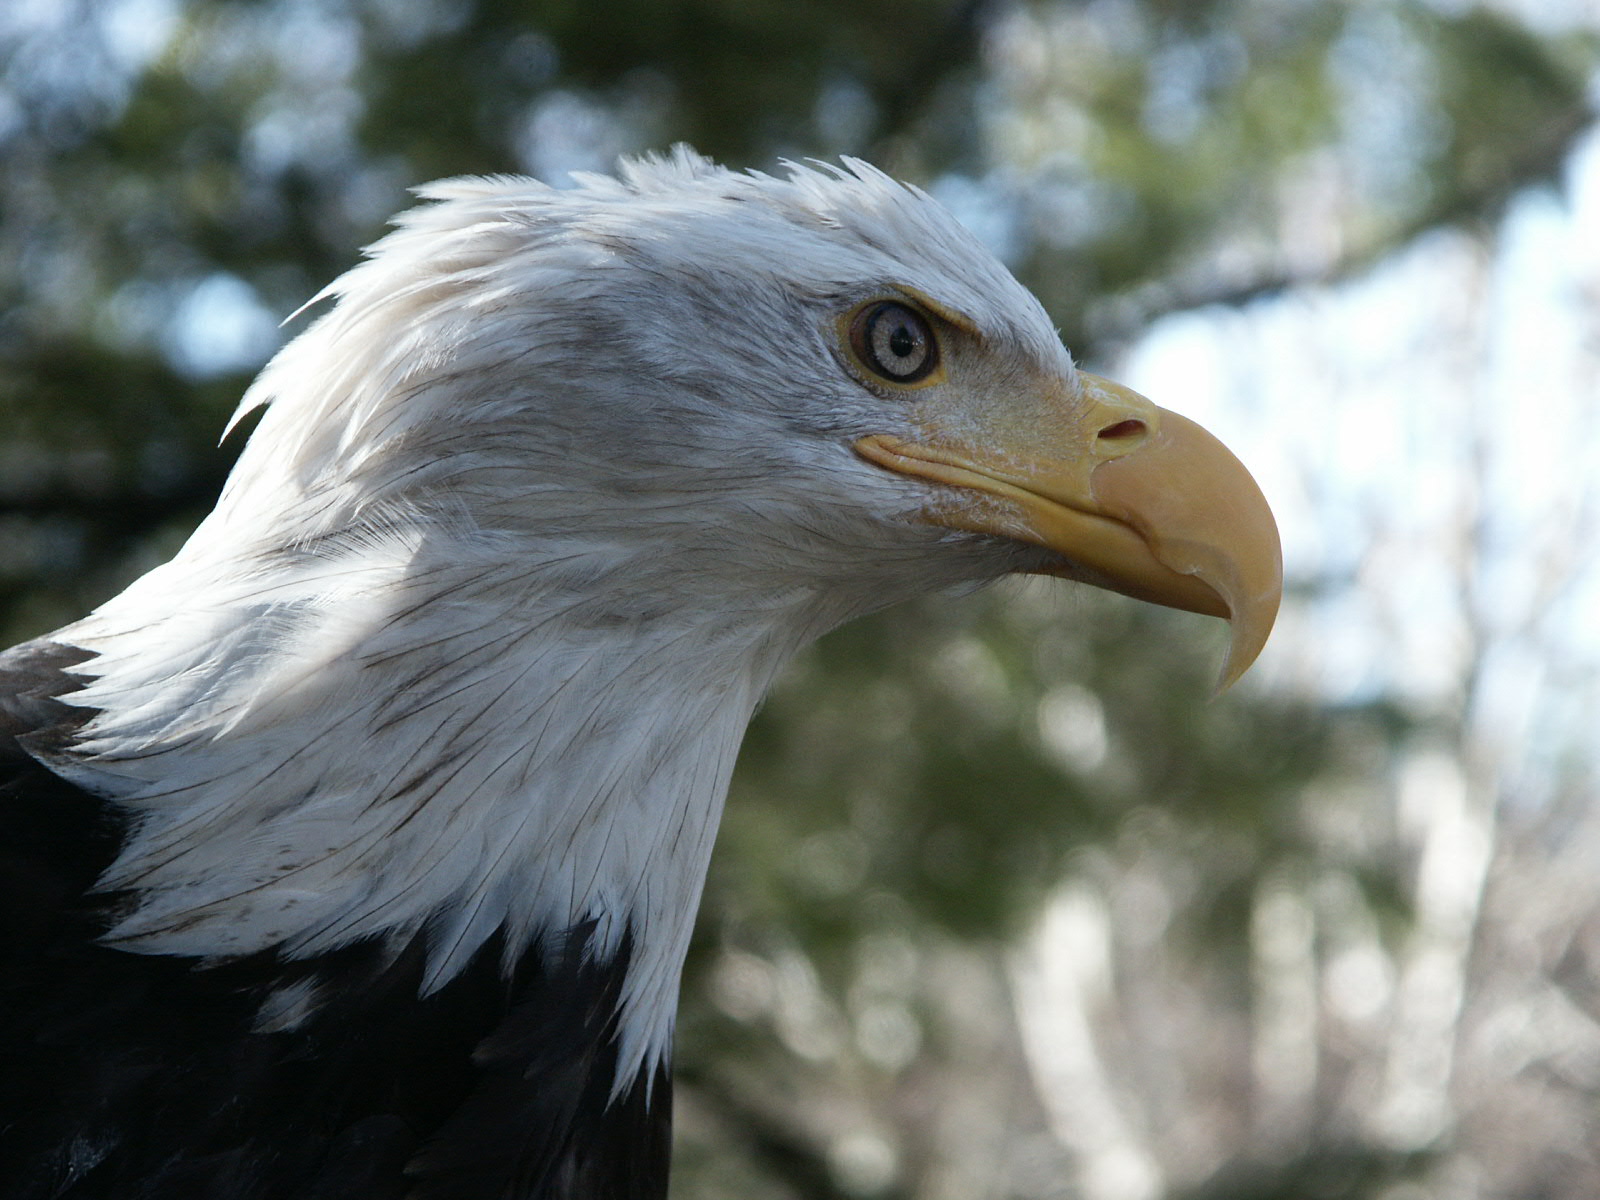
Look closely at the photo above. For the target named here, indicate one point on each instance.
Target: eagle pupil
(902, 342)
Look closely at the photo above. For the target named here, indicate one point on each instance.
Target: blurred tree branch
(1537, 159)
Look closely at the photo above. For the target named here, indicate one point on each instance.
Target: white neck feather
(385, 744)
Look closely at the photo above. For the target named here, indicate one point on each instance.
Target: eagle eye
(894, 341)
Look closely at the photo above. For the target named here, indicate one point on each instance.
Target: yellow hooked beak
(1132, 497)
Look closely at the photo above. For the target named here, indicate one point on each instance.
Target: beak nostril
(1132, 427)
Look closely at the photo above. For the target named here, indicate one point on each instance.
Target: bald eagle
(354, 852)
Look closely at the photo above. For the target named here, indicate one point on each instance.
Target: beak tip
(1251, 624)
(1233, 666)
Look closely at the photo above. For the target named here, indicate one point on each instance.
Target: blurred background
(1004, 906)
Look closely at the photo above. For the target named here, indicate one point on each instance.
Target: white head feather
(533, 516)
